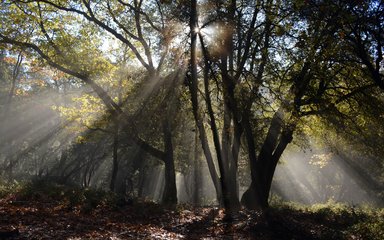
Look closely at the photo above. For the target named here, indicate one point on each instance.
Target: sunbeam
(308, 181)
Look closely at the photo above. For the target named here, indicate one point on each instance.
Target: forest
(200, 119)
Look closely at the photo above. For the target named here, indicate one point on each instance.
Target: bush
(72, 197)
(9, 188)
(332, 220)
(372, 227)
(40, 190)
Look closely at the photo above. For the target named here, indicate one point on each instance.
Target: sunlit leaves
(321, 160)
(88, 112)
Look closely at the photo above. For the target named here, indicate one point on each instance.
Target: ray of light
(319, 184)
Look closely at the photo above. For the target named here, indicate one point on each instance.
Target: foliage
(357, 222)
(71, 197)
(7, 188)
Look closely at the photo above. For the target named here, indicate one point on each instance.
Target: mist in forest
(36, 142)
(307, 176)
(33, 135)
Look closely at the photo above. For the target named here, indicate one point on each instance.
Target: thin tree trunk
(170, 191)
(115, 163)
(195, 104)
(15, 76)
(224, 157)
(196, 172)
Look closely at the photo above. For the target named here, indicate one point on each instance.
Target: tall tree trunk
(170, 191)
(230, 113)
(140, 184)
(15, 77)
(229, 168)
(115, 160)
(263, 167)
(285, 139)
(193, 88)
(223, 150)
(252, 197)
(196, 172)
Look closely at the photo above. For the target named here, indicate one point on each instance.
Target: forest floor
(45, 218)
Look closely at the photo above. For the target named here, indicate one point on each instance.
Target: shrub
(9, 188)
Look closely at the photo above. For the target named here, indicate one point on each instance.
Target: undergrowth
(348, 221)
(284, 220)
(71, 197)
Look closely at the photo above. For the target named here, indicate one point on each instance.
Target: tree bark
(170, 191)
(263, 167)
(115, 160)
(196, 171)
(193, 88)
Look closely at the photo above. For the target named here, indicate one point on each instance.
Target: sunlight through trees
(230, 103)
